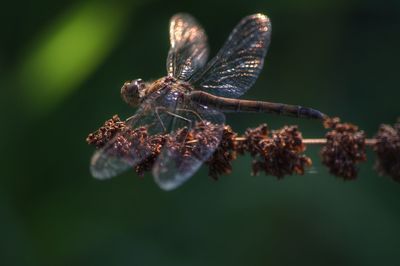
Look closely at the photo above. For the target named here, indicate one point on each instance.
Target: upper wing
(191, 143)
(239, 62)
(189, 49)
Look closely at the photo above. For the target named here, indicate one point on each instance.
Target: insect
(193, 91)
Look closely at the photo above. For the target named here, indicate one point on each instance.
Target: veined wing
(239, 62)
(131, 145)
(191, 142)
(189, 49)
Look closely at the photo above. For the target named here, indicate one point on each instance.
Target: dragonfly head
(132, 91)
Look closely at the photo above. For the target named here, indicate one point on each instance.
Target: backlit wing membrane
(128, 148)
(189, 49)
(191, 143)
(117, 156)
(239, 62)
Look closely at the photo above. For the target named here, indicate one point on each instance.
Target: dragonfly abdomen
(239, 105)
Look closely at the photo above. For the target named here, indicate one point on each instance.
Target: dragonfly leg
(159, 109)
(190, 111)
(163, 109)
(159, 118)
(190, 123)
(180, 117)
(130, 118)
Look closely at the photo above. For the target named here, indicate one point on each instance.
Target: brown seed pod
(105, 133)
(221, 161)
(277, 153)
(154, 144)
(344, 149)
(387, 149)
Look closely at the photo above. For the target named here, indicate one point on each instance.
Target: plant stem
(320, 141)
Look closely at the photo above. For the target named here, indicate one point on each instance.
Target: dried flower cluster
(105, 133)
(221, 161)
(344, 149)
(153, 146)
(387, 149)
(121, 138)
(191, 145)
(277, 153)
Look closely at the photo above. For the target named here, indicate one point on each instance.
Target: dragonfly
(194, 90)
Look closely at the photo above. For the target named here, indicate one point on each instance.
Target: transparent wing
(191, 143)
(130, 146)
(189, 50)
(239, 62)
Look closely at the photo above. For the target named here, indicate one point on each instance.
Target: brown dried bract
(197, 143)
(154, 144)
(221, 161)
(122, 138)
(278, 153)
(345, 148)
(105, 133)
(252, 138)
(387, 149)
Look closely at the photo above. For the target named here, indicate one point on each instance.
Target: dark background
(62, 64)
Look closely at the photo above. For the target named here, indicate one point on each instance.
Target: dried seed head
(278, 153)
(207, 136)
(331, 122)
(253, 136)
(387, 149)
(345, 148)
(185, 145)
(121, 146)
(105, 133)
(125, 141)
(153, 144)
(221, 161)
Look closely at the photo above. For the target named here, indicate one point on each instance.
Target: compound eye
(130, 91)
(138, 83)
(132, 88)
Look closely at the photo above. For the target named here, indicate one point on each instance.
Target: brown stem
(314, 141)
(368, 142)
(321, 141)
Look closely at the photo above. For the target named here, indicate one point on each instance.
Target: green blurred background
(61, 67)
